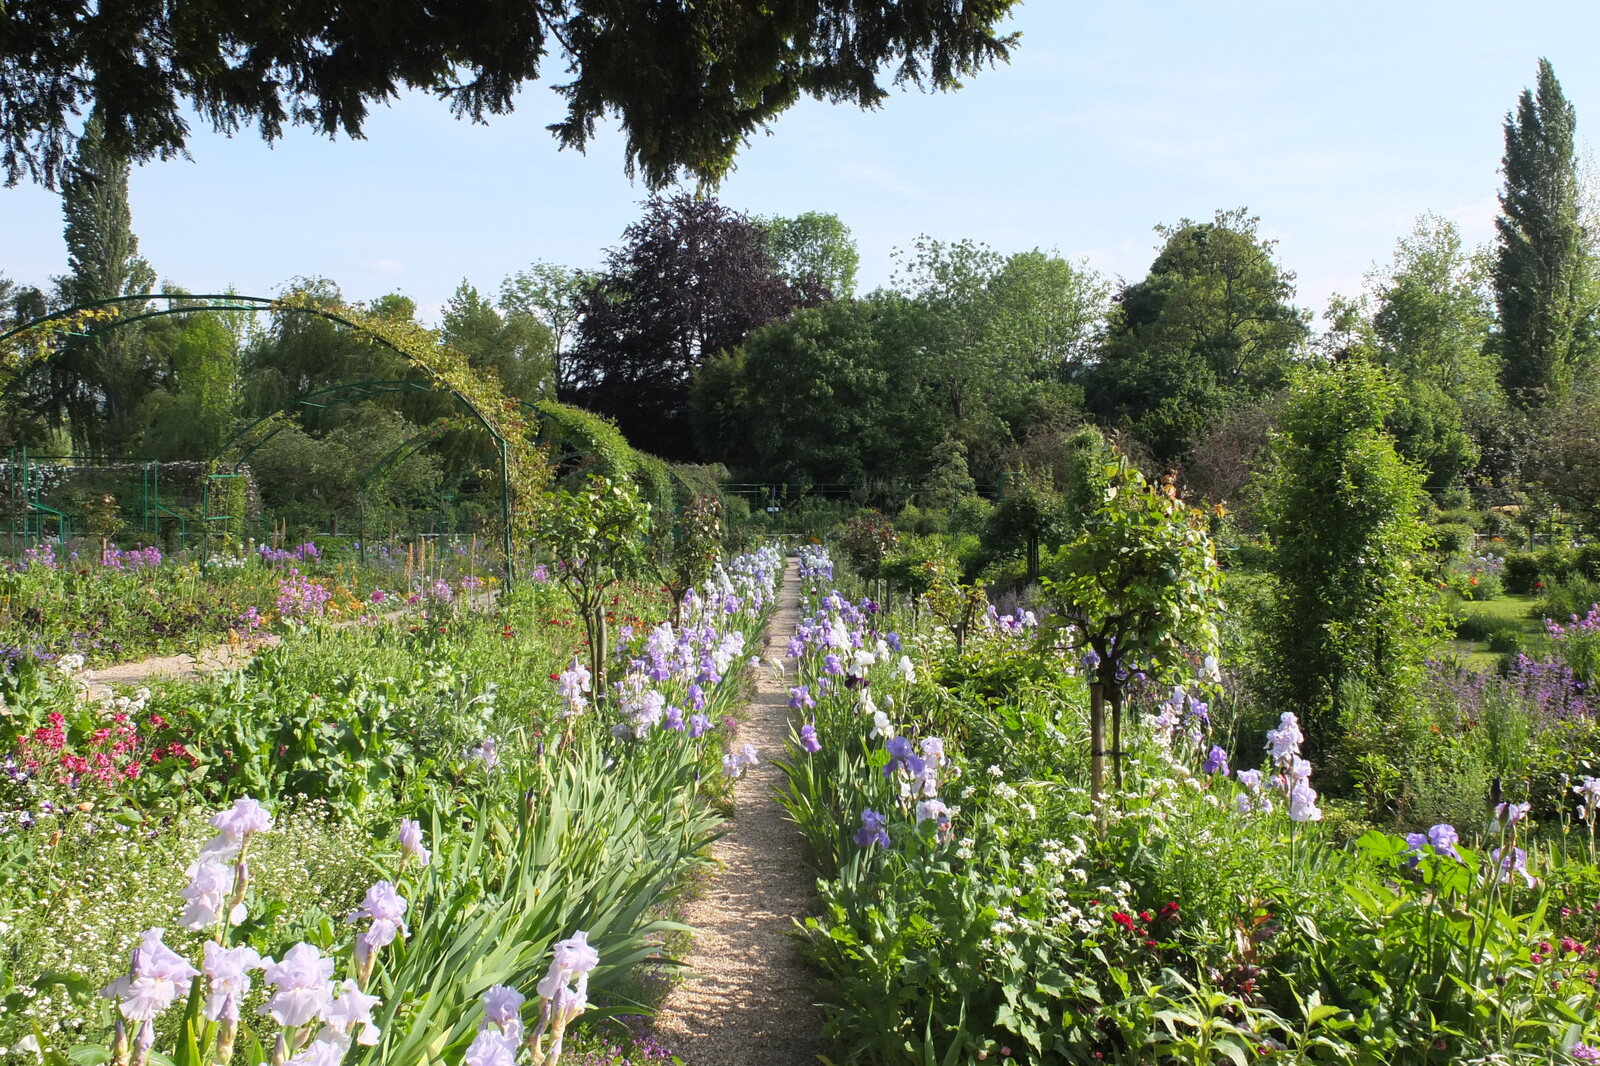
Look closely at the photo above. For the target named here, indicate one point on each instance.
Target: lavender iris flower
(902, 757)
(808, 739)
(872, 830)
(1216, 762)
(1444, 838)
(698, 724)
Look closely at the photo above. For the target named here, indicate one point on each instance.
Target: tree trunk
(1116, 733)
(1097, 748)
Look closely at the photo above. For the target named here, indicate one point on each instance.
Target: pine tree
(1540, 263)
(97, 386)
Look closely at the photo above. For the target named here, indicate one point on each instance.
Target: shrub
(1342, 509)
(1506, 641)
(1566, 597)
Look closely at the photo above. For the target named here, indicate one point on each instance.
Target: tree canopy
(689, 82)
(692, 278)
(1209, 326)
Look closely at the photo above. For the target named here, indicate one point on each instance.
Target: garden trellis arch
(505, 426)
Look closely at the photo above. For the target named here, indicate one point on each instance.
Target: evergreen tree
(1540, 261)
(98, 384)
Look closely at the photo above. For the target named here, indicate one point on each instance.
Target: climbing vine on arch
(527, 466)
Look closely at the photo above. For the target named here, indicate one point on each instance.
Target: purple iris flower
(1216, 761)
(697, 697)
(893, 640)
(1091, 659)
(902, 757)
(800, 698)
(808, 739)
(698, 724)
(797, 647)
(832, 665)
(1444, 839)
(872, 830)
(675, 718)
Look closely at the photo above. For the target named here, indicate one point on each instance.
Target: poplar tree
(97, 384)
(1540, 262)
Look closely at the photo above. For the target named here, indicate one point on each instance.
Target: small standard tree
(1343, 513)
(599, 536)
(1141, 585)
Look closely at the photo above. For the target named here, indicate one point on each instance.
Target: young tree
(598, 533)
(692, 279)
(815, 254)
(98, 385)
(1352, 616)
(1540, 263)
(1141, 585)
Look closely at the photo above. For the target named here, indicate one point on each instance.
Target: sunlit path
(744, 998)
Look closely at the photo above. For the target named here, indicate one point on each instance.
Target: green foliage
(1209, 328)
(1140, 581)
(733, 72)
(512, 344)
(1541, 267)
(814, 252)
(597, 533)
(1433, 315)
(553, 296)
(1341, 509)
(100, 379)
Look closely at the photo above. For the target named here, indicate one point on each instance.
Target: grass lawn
(1511, 611)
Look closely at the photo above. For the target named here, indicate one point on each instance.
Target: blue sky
(1337, 124)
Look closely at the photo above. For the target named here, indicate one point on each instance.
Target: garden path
(743, 999)
(228, 656)
(220, 657)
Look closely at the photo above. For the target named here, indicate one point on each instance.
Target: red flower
(1169, 910)
(1124, 920)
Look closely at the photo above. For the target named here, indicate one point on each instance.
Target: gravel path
(220, 657)
(744, 999)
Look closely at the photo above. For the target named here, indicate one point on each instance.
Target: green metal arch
(257, 305)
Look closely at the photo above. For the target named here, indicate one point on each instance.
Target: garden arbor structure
(34, 344)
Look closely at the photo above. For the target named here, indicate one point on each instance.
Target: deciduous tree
(692, 279)
(1211, 326)
(98, 383)
(1540, 264)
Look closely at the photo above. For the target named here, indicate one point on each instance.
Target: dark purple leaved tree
(692, 278)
